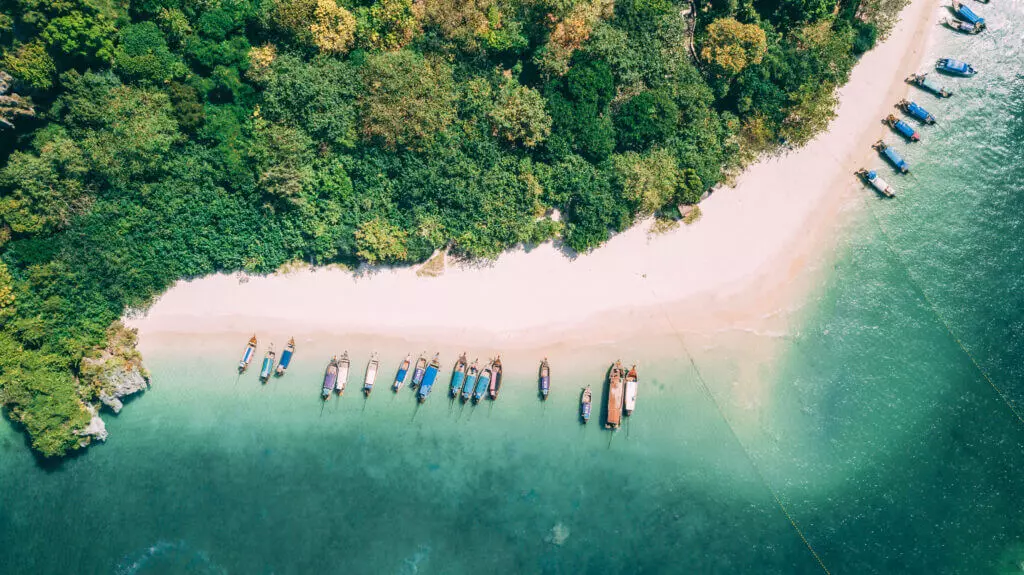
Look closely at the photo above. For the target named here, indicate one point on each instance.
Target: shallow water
(883, 441)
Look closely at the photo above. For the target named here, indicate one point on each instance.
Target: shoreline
(760, 248)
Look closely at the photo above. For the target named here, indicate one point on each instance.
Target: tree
(86, 38)
(333, 28)
(386, 25)
(318, 97)
(380, 241)
(7, 297)
(649, 117)
(648, 181)
(32, 65)
(732, 46)
(571, 28)
(142, 55)
(464, 22)
(518, 116)
(42, 191)
(283, 156)
(406, 100)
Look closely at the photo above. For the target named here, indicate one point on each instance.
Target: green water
(882, 440)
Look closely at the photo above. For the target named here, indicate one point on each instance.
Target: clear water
(882, 440)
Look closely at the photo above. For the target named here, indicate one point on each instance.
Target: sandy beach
(753, 257)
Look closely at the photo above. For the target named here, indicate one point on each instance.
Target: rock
(119, 382)
(115, 371)
(96, 429)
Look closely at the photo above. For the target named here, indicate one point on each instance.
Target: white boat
(371, 374)
(343, 365)
(631, 383)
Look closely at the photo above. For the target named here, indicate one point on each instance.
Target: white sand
(748, 256)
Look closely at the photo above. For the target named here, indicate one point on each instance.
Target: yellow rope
(750, 458)
(935, 310)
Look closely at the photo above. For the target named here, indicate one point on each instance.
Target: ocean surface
(889, 440)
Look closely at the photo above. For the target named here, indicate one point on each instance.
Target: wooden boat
(482, 384)
(902, 128)
(268, 364)
(403, 372)
(876, 182)
(631, 385)
(495, 385)
(371, 375)
(330, 379)
(248, 354)
(961, 26)
(421, 368)
(585, 402)
(955, 67)
(544, 379)
(915, 111)
(614, 415)
(429, 378)
(458, 376)
(471, 376)
(343, 366)
(929, 85)
(892, 155)
(286, 358)
(966, 14)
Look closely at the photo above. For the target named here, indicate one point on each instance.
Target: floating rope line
(750, 458)
(935, 310)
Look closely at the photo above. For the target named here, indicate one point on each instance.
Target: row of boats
(622, 390)
(964, 20)
(268, 368)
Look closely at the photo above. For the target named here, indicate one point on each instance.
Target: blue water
(882, 441)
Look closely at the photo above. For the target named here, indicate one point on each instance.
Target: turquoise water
(882, 440)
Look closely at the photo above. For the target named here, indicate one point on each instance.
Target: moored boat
(544, 379)
(892, 155)
(876, 182)
(371, 375)
(403, 372)
(458, 376)
(586, 400)
(417, 373)
(955, 67)
(429, 377)
(286, 358)
(330, 379)
(471, 376)
(961, 26)
(343, 367)
(631, 385)
(915, 111)
(268, 364)
(965, 13)
(248, 354)
(495, 385)
(614, 414)
(482, 383)
(929, 85)
(902, 128)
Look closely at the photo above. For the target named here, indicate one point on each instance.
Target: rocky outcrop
(120, 382)
(115, 371)
(95, 430)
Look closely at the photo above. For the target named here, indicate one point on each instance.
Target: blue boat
(471, 377)
(330, 379)
(428, 379)
(458, 376)
(955, 67)
(892, 155)
(586, 401)
(929, 85)
(403, 372)
(965, 13)
(915, 111)
(481, 384)
(417, 373)
(248, 354)
(902, 128)
(268, 364)
(545, 379)
(286, 358)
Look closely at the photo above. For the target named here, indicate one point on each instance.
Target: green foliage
(386, 25)
(518, 116)
(647, 118)
(318, 96)
(380, 241)
(143, 56)
(85, 38)
(406, 100)
(31, 64)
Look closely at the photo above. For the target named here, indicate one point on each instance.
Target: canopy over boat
(930, 85)
(471, 375)
(428, 379)
(481, 384)
(286, 357)
(918, 112)
(955, 67)
(585, 404)
(330, 378)
(545, 378)
(966, 13)
(895, 158)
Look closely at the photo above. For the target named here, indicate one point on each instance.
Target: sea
(890, 439)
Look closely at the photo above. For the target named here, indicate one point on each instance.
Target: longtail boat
(495, 385)
(268, 364)
(343, 365)
(585, 403)
(929, 85)
(428, 379)
(961, 26)
(330, 379)
(471, 376)
(421, 368)
(614, 415)
(286, 358)
(458, 376)
(403, 372)
(968, 15)
(631, 385)
(481, 384)
(876, 182)
(955, 67)
(544, 379)
(904, 129)
(892, 155)
(915, 111)
(248, 354)
(371, 375)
